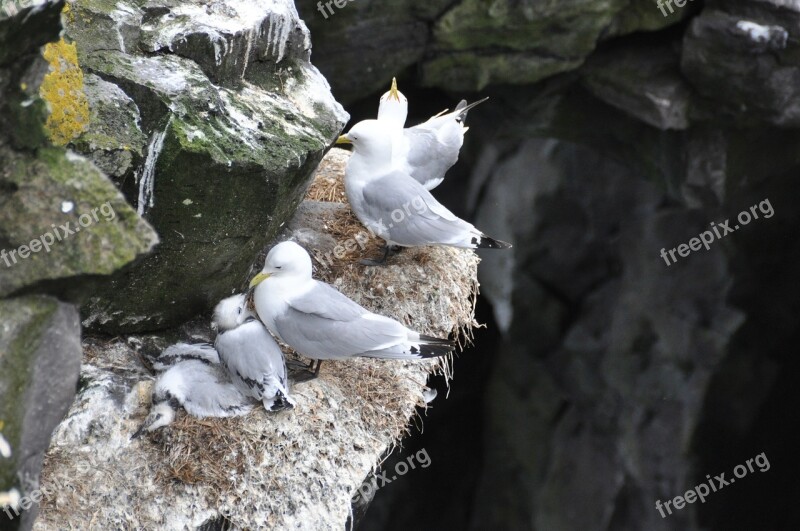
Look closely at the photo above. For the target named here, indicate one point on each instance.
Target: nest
(328, 182)
(293, 469)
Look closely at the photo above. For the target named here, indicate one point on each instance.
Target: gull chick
(425, 151)
(320, 323)
(198, 384)
(253, 359)
(395, 206)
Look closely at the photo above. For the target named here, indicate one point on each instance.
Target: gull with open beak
(425, 151)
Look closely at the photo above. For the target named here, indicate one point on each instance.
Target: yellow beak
(393, 92)
(258, 279)
(343, 140)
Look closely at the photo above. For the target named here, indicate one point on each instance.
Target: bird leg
(388, 250)
(304, 373)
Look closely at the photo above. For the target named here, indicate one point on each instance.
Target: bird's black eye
(278, 267)
(238, 310)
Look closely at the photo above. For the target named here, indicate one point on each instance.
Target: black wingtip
(490, 243)
(281, 402)
(433, 347)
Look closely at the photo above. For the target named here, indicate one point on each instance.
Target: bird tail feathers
(490, 243)
(424, 347)
(279, 402)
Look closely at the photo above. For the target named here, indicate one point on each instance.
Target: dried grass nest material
(296, 469)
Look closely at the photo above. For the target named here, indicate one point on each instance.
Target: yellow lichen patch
(67, 12)
(62, 89)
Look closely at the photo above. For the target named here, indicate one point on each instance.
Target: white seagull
(253, 359)
(320, 323)
(396, 207)
(425, 151)
(196, 382)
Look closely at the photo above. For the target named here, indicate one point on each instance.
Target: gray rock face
(465, 45)
(608, 395)
(62, 219)
(204, 113)
(115, 142)
(62, 222)
(387, 38)
(742, 56)
(644, 82)
(40, 357)
(24, 27)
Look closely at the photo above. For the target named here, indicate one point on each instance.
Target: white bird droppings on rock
(762, 34)
(5, 448)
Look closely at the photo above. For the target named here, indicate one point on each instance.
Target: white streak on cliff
(147, 180)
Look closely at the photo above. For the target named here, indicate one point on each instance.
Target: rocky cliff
(202, 113)
(62, 221)
(147, 155)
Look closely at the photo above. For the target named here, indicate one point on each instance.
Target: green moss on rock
(63, 199)
(222, 166)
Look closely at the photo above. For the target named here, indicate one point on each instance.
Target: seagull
(199, 384)
(395, 206)
(253, 359)
(425, 151)
(318, 322)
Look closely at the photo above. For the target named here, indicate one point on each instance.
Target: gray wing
(203, 390)
(185, 351)
(429, 157)
(411, 216)
(325, 324)
(253, 359)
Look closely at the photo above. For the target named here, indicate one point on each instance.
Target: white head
(285, 260)
(371, 138)
(160, 415)
(231, 312)
(393, 108)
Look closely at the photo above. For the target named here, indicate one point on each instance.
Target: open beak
(393, 92)
(139, 432)
(258, 279)
(148, 421)
(343, 140)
